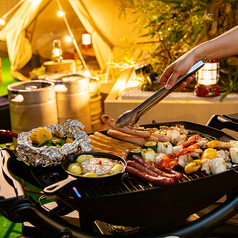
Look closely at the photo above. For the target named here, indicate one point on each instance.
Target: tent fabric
(102, 46)
(100, 19)
(19, 47)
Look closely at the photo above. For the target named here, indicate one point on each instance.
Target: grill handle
(221, 122)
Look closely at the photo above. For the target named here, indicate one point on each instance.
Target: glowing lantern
(57, 51)
(207, 78)
(86, 40)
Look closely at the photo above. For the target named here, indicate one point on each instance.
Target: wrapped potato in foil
(51, 155)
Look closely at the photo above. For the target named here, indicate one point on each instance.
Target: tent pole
(12, 9)
(73, 39)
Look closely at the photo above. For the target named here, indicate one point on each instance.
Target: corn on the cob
(40, 135)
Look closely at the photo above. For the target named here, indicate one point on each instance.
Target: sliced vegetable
(161, 132)
(134, 152)
(212, 144)
(234, 144)
(164, 147)
(234, 155)
(116, 169)
(220, 144)
(148, 154)
(82, 158)
(193, 166)
(218, 165)
(173, 134)
(209, 153)
(151, 144)
(75, 168)
(90, 174)
(184, 151)
(169, 161)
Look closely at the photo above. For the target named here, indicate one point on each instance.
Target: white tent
(35, 25)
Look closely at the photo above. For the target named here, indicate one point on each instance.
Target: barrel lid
(29, 86)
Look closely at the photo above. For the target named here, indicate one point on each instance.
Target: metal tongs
(131, 117)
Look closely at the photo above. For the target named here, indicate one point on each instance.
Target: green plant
(170, 27)
(231, 84)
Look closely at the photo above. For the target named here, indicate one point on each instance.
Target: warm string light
(68, 39)
(2, 22)
(123, 66)
(72, 36)
(60, 13)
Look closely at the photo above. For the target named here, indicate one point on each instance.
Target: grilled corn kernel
(40, 135)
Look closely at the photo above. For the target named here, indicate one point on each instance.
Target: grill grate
(126, 185)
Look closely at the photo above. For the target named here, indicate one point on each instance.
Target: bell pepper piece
(193, 166)
(212, 144)
(209, 153)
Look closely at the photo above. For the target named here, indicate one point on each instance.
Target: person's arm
(219, 47)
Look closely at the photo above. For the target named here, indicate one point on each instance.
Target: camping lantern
(86, 40)
(207, 79)
(57, 51)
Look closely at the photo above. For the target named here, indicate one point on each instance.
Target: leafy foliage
(230, 85)
(173, 27)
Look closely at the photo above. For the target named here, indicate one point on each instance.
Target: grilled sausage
(139, 160)
(124, 144)
(158, 181)
(107, 142)
(126, 129)
(106, 147)
(162, 138)
(152, 138)
(126, 137)
(140, 167)
(97, 149)
(169, 171)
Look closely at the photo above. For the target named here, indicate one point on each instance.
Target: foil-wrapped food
(52, 155)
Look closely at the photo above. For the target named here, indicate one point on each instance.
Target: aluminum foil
(51, 155)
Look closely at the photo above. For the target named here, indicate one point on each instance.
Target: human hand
(178, 68)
